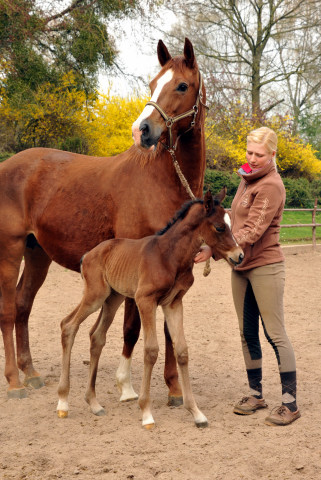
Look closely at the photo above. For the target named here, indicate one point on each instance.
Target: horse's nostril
(144, 128)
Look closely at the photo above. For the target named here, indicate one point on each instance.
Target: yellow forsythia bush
(109, 130)
(226, 134)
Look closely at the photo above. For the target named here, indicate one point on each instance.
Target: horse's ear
(189, 53)
(162, 53)
(208, 202)
(220, 196)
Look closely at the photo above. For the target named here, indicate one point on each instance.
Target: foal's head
(175, 91)
(216, 230)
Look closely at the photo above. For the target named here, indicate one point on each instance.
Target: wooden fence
(313, 225)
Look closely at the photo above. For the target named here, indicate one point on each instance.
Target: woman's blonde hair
(265, 136)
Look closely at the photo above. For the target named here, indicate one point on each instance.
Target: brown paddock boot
(249, 405)
(281, 416)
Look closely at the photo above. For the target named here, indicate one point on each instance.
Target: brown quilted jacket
(256, 214)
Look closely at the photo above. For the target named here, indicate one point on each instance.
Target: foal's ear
(189, 53)
(220, 196)
(162, 53)
(208, 202)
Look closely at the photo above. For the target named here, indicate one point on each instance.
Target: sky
(137, 46)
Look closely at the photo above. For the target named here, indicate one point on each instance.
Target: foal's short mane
(180, 214)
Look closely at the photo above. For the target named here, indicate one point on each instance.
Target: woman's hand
(204, 254)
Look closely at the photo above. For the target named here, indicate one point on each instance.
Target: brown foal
(154, 270)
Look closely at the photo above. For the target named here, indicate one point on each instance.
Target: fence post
(314, 228)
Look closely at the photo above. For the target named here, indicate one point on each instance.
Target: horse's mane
(180, 214)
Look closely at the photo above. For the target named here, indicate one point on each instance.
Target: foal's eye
(220, 228)
(182, 87)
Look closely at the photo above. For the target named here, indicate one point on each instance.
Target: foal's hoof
(174, 401)
(17, 393)
(149, 426)
(202, 424)
(62, 413)
(100, 413)
(34, 382)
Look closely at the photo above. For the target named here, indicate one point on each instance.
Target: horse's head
(177, 95)
(216, 230)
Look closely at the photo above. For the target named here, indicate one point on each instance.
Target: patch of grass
(299, 234)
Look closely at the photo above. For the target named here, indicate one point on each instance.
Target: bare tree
(242, 43)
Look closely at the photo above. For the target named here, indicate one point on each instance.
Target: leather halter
(169, 121)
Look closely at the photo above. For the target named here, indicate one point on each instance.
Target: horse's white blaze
(123, 377)
(161, 82)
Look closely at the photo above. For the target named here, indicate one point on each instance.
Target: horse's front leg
(174, 318)
(175, 396)
(147, 309)
(35, 271)
(97, 342)
(131, 334)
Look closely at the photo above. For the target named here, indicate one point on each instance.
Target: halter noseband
(169, 121)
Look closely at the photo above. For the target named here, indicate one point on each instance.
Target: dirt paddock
(36, 444)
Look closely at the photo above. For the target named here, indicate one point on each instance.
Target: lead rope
(184, 182)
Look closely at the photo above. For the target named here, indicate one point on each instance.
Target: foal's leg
(131, 334)
(147, 309)
(97, 342)
(92, 300)
(132, 326)
(175, 396)
(35, 271)
(174, 318)
(9, 272)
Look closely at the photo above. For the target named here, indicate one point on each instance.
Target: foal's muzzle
(238, 260)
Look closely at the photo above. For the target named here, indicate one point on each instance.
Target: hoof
(62, 413)
(17, 393)
(100, 413)
(130, 398)
(34, 382)
(202, 424)
(149, 426)
(174, 401)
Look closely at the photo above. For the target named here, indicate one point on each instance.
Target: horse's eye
(182, 87)
(220, 228)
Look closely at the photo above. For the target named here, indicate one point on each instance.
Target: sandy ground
(36, 444)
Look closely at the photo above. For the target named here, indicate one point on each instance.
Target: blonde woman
(258, 283)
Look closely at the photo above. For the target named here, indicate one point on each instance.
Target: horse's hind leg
(174, 319)
(35, 271)
(9, 272)
(131, 334)
(97, 342)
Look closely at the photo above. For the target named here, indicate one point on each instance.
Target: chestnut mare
(154, 270)
(56, 206)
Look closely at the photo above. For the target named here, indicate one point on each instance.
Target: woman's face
(257, 155)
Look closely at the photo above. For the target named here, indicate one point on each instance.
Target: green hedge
(5, 155)
(300, 193)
